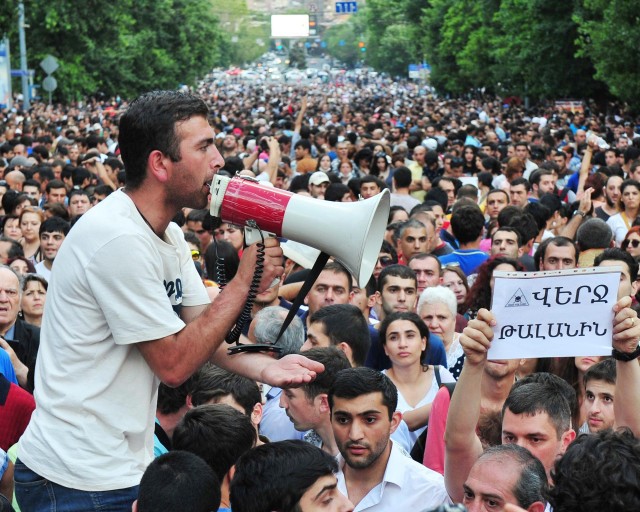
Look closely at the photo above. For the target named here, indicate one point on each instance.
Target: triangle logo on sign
(517, 300)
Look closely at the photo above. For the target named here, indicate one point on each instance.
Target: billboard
(289, 25)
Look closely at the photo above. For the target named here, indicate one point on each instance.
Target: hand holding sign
(626, 327)
(556, 314)
(476, 338)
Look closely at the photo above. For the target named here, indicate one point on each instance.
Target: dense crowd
(378, 394)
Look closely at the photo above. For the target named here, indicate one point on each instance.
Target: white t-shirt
(116, 284)
(42, 270)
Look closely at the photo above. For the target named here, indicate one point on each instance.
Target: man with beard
(611, 196)
(375, 473)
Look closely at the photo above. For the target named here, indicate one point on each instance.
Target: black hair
(218, 433)
(616, 254)
(55, 225)
(598, 472)
(605, 370)
(396, 270)
(558, 241)
(335, 192)
(284, 471)
(533, 398)
(467, 223)
(149, 124)
(344, 323)
(212, 382)
(402, 177)
(354, 382)
(333, 359)
(178, 480)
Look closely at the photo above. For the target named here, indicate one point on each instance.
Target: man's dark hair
(437, 195)
(79, 175)
(401, 271)
(558, 241)
(344, 323)
(211, 383)
(616, 254)
(604, 370)
(103, 190)
(540, 213)
(334, 360)
(402, 177)
(598, 472)
(54, 184)
(149, 124)
(531, 485)
(594, 234)
(304, 144)
(274, 476)
(508, 213)
(15, 250)
(534, 398)
(521, 181)
(78, 192)
(354, 382)
(509, 229)
(55, 225)
(467, 190)
(369, 178)
(115, 163)
(338, 268)
(171, 400)
(560, 387)
(551, 201)
(499, 191)
(467, 223)
(537, 175)
(178, 480)
(31, 183)
(218, 433)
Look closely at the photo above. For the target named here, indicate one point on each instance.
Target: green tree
(342, 43)
(121, 48)
(535, 52)
(609, 32)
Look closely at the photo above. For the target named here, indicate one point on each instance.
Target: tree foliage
(609, 32)
(124, 48)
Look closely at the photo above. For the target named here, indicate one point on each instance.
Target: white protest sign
(558, 313)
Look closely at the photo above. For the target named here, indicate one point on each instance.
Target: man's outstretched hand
(291, 371)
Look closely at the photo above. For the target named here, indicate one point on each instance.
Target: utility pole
(23, 58)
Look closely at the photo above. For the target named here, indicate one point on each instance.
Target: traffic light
(313, 25)
(362, 46)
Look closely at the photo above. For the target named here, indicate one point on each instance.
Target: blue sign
(346, 7)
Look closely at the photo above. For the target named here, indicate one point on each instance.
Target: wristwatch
(578, 212)
(625, 356)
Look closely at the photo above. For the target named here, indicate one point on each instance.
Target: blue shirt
(6, 368)
(469, 259)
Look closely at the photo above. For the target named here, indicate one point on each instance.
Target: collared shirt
(406, 485)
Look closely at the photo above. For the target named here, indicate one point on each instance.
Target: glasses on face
(195, 254)
(385, 260)
(628, 242)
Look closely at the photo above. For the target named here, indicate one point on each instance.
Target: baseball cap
(318, 177)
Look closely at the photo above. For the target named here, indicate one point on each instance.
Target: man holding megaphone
(130, 312)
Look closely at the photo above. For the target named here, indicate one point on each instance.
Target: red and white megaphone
(351, 233)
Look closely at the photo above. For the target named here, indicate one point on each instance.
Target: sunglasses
(385, 260)
(195, 255)
(628, 242)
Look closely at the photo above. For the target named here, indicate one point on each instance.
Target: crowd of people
(118, 290)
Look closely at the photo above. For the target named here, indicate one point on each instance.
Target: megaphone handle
(253, 234)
